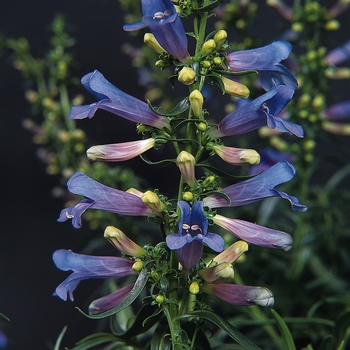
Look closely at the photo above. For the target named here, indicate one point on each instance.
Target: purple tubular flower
(161, 18)
(257, 188)
(193, 232)
(255, 234)
(113, 100)
(98, 196)
(339, 55)
(109, 301)
(338, 111)
(262, 111)
(266, 60)
(85, 267)
(240, 295)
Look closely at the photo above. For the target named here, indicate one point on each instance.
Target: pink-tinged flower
(237, 156)
(338, 55)
(193, 233)
(255, 234)
(266, 60)
(338, 8)
(232, 253)
(264, 110)
(257, 188)
(98, 196)
(161, 18)
(86, 267)
(239, 295)
(113, 100)
(119, 152)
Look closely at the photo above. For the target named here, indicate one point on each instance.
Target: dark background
(29, 231)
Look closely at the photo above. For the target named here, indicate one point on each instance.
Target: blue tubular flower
(193, 232)
(98, 196)
(338, 111)
(266, 60)
(339, 55)
(113, 100)
(161, 18)
(85, 267)
(257, 188)
(262, 111)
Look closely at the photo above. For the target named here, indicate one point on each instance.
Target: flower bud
(232, 253)
(153, 202)
(208, 181)
(186, 162)
(220, 38)
(159, 299)
(152, 42)
(237, 156)
(202, 126)
(196, 101)
(187, 76)
(217, 60)
(234, 88)
(332, 25)
(137, 266)
(123, 243)
(208, 47)
(194, 288)
(187, 196)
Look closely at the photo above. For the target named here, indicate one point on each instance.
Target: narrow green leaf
(180, 108)
(59, 339)
(139, 285)
(161, 338)
(327, 343)
(342, 323)
(93, 340)
(209, 7)
(4, 317)
(227, 327)
(286, 335)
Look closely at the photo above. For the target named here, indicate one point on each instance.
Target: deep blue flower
(193, 232)
(3, 340)
(262, 111)
(98, 196)
(266, 60)
(161, 18)
(113, 100)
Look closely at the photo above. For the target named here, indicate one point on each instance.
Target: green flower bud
(159, 299)
(194, 288)
(297, 27)
(332, 25)
(153, 202)
(208, 47)
(217, 60)
(187, 76)
(220, 38)
(187, 196)
(208, 181)
(196, 101)
(206, 64)
(138, 266)
(202, 126)
(152, 42)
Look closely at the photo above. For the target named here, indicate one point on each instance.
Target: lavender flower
(113, 100)
(262, 111)
(161, 18)
(266, 60)
(193, 232)
(98, 196)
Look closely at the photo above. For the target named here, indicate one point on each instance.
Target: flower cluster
(178, 264)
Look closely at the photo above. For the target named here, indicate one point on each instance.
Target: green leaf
(286, 335)
(180, 108)
(342, 324)
(209, 7)
(160, 164)
(59, 339)
(93, 340)
(4, 317)
(327, 343)
(234, 74)
(139, 286)
(227, 327)
(161, 338)
(147, 316)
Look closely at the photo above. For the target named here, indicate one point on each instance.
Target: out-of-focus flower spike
(152, 201)
(232, 253)
(196, 101)
(284, 10)
(336, 128)
(338, 55)
(119, 152)
(338, 111)
(186, 164)
(340, 7)
(234, 88)
(237, 156)
(255, 234)
(152, 42)
(187, 76)
(123, 243)
(109, 301)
